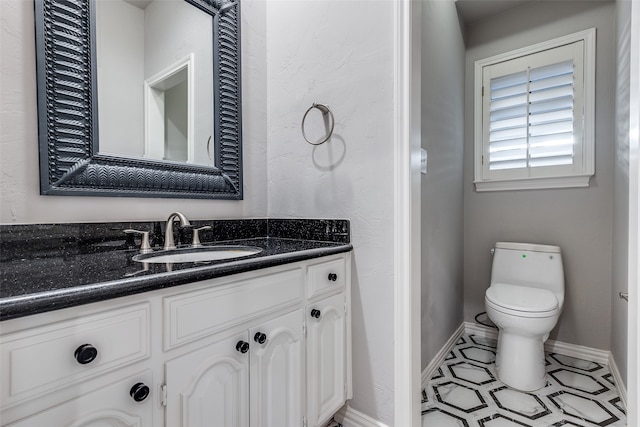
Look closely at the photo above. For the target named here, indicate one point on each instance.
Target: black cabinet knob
(242, 346)
(315, 313)
(139, 392)
(86, 353)
(260, 338)
(333, 277)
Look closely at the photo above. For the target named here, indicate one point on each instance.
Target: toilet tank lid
(521, 298)
(527, 247)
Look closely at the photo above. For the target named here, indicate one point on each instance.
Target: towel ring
(325, 110)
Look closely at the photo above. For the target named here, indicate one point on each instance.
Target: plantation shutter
(534, 116)
(531, 118)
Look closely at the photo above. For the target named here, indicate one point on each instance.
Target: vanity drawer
(47, 358)
(326, 277)
(200, 313)
(110, 405)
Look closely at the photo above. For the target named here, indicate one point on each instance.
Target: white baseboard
(550, 346)
(617, 378)
(578, 351)
(349, 417)
(437, 360)
(480, 330)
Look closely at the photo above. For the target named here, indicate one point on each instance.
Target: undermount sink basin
(201, 254)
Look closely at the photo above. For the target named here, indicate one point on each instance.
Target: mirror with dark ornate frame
(70, 162)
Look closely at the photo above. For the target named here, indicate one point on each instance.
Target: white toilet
(524, 301)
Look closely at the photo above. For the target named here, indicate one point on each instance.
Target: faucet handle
(145, 247)
(196, 237)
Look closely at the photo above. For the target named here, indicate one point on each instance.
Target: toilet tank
(526, 264)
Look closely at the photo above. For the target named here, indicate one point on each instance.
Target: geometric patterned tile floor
(464, 391)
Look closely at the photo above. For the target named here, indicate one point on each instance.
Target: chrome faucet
(168, 233)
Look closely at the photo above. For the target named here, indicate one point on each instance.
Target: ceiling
(140, 4)
(477, 10)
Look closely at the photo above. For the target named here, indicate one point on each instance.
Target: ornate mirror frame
(70, 164)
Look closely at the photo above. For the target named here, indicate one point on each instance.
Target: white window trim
(588, 158)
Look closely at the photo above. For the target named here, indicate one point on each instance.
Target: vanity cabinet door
(210, 386)
(125, 403)
(276, 372)
(326, 359)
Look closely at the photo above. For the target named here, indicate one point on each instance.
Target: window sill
(533, 183)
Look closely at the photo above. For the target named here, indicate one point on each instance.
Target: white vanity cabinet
(328, 341)
(249, 379)
(265, 348)
(326, 359)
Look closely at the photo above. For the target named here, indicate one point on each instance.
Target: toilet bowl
(524, 301)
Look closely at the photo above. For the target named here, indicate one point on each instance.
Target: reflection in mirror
(155, 80)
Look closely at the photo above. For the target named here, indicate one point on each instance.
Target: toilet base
(520, 362)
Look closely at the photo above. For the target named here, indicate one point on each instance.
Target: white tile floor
(465, 392)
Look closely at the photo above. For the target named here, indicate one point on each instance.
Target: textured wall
(19, 181)
(577, 220)
(341, 53)
(443, 55)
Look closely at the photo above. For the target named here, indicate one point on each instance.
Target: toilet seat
(521, 301)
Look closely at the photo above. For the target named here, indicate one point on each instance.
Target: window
(534, 116)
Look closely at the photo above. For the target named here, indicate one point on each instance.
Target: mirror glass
(154, 68)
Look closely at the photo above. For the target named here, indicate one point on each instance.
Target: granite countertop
(75, 271)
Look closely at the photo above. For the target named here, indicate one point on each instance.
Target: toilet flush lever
(493, 251)
(624, 296)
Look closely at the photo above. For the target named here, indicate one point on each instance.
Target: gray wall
(443, 137)
(578, 220)
(19, 181)
(620, 282)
